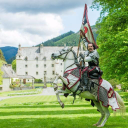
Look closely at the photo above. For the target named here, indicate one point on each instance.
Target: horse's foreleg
(55, 83)
(64, 80)
(107, 114)
(97, 104)
(58, 98)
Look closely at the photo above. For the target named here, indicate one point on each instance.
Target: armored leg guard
(84, 82)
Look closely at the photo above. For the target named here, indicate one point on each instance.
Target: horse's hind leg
(97, 104)
(107, 114)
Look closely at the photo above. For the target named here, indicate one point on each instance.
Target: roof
(25, 77)
(8, 72)
(39, 52)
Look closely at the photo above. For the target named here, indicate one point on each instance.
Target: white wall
(6, 84)
(31, 68)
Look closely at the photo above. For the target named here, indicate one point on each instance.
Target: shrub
(124, 86)
(38, 81)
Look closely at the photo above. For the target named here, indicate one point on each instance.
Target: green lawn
(21, 92)
(45, 112)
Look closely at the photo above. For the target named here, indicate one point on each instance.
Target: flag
(85, 27)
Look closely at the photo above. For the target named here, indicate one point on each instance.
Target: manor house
(37, 62)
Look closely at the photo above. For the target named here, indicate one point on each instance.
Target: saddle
(94, 72)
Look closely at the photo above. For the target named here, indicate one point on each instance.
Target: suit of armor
(91, 57)
(93, 72)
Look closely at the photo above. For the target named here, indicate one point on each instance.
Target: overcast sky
(30, 22)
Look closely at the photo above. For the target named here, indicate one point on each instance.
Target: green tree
(1, 73)
(14, 65)
(113, 38)
(1, 55)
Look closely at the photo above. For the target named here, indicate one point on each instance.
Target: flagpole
(78, 46)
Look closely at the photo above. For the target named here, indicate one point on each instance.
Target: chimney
(19, 47)
(41, 48)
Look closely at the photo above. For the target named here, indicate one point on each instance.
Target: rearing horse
(71, 80)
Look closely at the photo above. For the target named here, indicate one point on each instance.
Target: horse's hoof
(99, 126)
(62, 105)
(95, 124)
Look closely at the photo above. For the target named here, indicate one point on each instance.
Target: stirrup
(83, 88)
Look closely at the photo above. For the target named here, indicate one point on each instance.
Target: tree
(1, 73)
(113, 38)
(1, 55)
(14, 65)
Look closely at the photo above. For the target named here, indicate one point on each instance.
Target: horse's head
(61, 54)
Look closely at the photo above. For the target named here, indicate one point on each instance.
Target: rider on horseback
(92, 57)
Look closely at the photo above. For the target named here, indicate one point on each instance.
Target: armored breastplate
(95, 58)
(94, 62)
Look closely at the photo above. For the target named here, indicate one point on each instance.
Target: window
(45, 72)
(26, 58)
(36, 73)
(26, 66)
(37, 65)
(60, 63)
(52, 65)
(53, 72)
(44, 58)
(26, 73)
(19, 56)
(36, 58)
(45, 65)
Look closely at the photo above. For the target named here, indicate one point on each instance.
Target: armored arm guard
(85, 42)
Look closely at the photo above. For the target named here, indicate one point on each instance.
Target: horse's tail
(120, 101)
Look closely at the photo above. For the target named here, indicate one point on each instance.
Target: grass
(45, 112)
(21, 92)
(48, 84)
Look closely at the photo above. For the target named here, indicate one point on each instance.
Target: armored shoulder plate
(94, 54)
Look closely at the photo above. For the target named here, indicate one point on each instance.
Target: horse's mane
(76, 61)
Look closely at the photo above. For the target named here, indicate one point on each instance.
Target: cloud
(29, 23)
(31, 29)
(37, 6)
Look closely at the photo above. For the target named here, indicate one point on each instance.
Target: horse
(71, 64)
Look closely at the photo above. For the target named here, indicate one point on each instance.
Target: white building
(37, 62)
(8, 74)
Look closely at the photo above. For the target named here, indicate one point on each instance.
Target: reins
(75, 58)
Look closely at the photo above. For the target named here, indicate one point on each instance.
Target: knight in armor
(92, 57)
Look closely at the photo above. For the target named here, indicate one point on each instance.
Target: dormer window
(26, 58)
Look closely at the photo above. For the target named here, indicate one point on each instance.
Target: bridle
(66, 53)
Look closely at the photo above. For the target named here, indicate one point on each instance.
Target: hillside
(69, 38)
(53, 41)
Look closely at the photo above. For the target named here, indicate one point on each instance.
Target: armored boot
(84, 82)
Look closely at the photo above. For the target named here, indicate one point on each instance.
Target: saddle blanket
(107, 95)
(72, 76)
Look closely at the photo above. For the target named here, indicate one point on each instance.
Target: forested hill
(9, 52)
(58, 38)
(70, 39)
